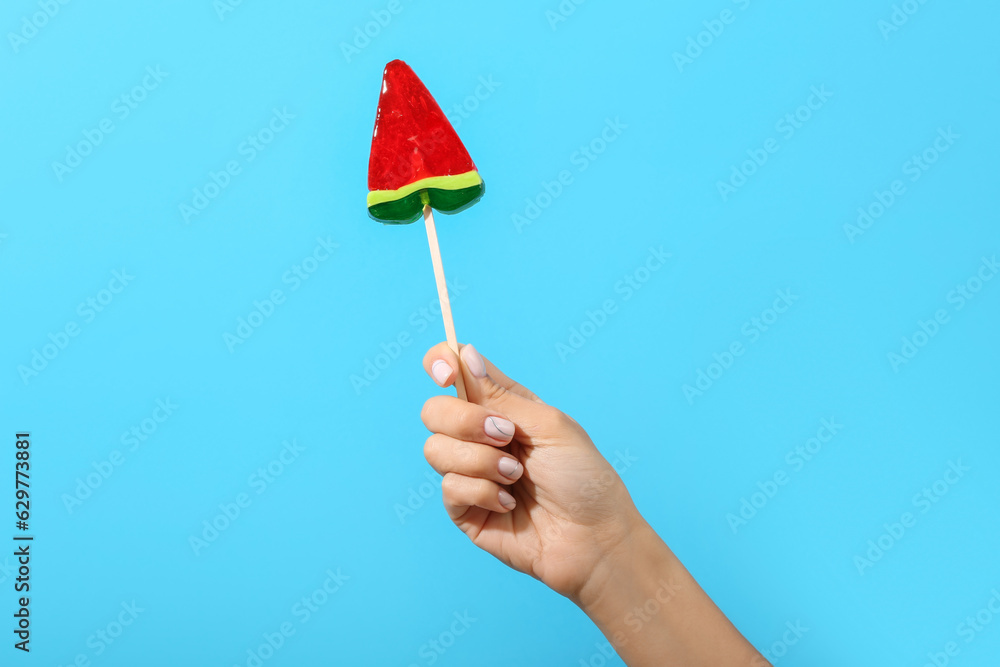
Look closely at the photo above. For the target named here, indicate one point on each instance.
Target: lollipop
(417, 158)
(419, 164)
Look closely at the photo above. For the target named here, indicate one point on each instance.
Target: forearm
(655, 614)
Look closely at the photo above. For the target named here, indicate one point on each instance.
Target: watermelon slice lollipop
(417, 158)
(418, 164)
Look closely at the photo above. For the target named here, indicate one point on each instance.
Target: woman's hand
(526, 484)
(521, 479)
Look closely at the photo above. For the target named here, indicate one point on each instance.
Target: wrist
(653, 611)
(638, 572)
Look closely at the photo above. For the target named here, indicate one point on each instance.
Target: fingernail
(499, 428)
(507, 500)
(474, 361)
(440, 370)
(510, 468)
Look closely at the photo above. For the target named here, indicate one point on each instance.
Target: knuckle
(561, 418)
(521, 390)
(431, 447)
(494, 392)
(449, 485)
(563, 421)
(467, 417)
(486, 491)
(554, 416)
(466, 455)
(426, 411)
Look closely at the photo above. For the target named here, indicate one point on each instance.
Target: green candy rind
(408, 209)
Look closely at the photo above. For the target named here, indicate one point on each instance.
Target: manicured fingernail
(440, 370)
(499, 428)
(474, 361)
(510, 468)
(507, 500)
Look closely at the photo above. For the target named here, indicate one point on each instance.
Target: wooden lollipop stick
(449, 324)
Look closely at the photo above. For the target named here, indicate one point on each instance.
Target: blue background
(523, 289)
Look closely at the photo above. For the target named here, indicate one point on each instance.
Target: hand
(522, 479)
(526, 484)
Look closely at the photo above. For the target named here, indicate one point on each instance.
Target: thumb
(536, 422)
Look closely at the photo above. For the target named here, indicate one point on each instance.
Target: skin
(572, 524)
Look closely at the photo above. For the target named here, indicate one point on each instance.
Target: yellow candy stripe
(469, 179)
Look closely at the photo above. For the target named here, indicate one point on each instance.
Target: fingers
(536, 423)
(460, 493)
(509, 384)
(441, 364)
(446, 454)
(466, 421)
